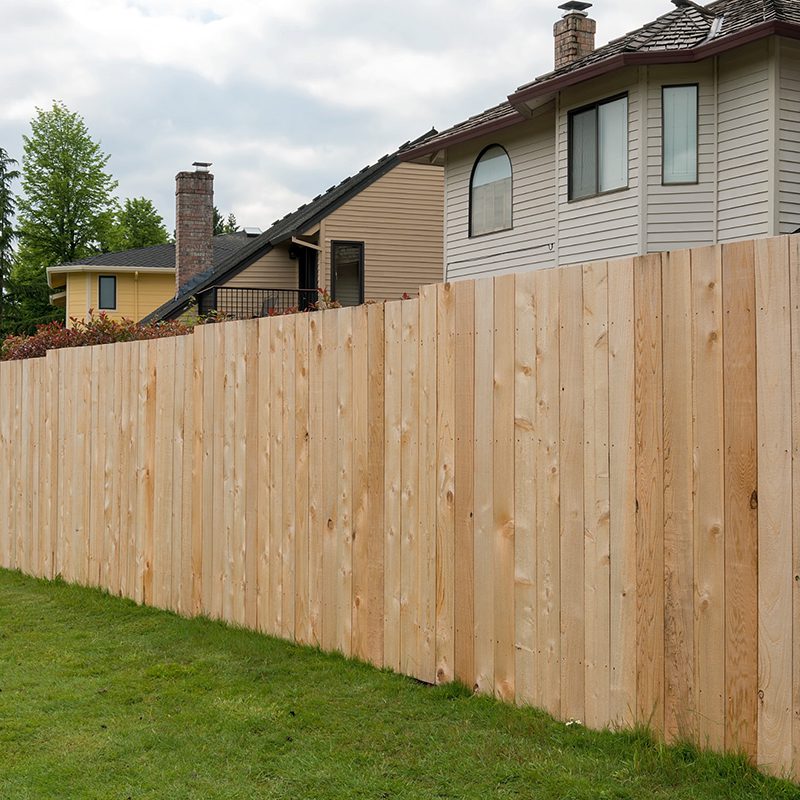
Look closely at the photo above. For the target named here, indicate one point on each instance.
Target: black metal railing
(246, 303)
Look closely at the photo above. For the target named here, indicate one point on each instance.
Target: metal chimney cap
(575, 7)
(201, 166)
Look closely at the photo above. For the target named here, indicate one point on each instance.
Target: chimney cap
(575, 7)
(201, 166)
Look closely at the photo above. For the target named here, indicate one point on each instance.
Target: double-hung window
(490, 192)
(598, 148)
(679, 134)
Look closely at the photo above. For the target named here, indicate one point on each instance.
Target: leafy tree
(224, 225)
(137, 224)
(67, 208)
(7, 233)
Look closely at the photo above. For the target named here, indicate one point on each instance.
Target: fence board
(773, 338)
(741, 515)
(649, 494)
(679, 627)
(525, 537)
(289, 493)
(302, 612)
(709, 529)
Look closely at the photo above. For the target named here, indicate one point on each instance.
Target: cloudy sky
(285, 97)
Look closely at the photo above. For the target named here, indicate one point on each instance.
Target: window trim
(360, 245)
(696, 181)
(99, 281)
(475, 163)
(595, 105)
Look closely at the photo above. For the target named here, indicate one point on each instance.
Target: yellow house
(129, 284)
(375, 236)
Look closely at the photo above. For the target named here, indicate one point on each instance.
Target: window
(679, 134)
(598, 148)
(347, 272)
(107, 292)
(490, 192)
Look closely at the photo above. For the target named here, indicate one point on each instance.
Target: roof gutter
(694, 54)
(66, 269)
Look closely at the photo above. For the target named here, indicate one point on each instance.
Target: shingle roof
(162, 255)
(282, 229)
(684, 28)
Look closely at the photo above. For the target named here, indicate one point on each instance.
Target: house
(374, 236)
(685, 132)
(128, 284)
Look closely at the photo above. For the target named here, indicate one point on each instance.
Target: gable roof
(161, 255)
(689, 32)
(294, 223)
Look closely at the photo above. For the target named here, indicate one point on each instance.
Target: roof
(283, 229)
(161, 255)
(688, 32)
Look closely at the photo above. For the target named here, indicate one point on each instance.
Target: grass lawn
(100, 698)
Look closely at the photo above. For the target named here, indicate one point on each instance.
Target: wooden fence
(576, 488)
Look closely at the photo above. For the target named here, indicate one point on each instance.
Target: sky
(284, 98)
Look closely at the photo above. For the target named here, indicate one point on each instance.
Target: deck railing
(247, 303)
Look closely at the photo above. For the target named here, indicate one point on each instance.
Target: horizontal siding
(606, 226)
(137, 295)
(744, 143)
(681, 216)
(400, 219)
(529, 244)
(274, 270)
(789, 137)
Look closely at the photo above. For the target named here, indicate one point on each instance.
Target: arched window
(490, 192)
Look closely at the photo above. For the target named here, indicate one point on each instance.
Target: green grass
(100, 698)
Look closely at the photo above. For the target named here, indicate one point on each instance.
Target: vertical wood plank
(360, 614)
(503, 488)
(483, 486)
(263, 594)
(344, 481)
(649, 494)
(445, 487)
(428, 482)
(301, 434)
(393, 482)
(316, 509)
(464, 572)
(290, 480)
(597, 552)
(410, 501)
(773, 340)
(571, 493)
(183, 598)
(375, 483)
(622, 475)
(548, 501)
(276, 476)
(230, 529)
(178, 444)
(525, 480)
(199, 499)
(239, 553)
(741, 499)
(679, 645)
(217, 531)
(330, 476)
(709, 531)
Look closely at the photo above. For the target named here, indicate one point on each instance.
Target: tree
(138, 224)
(7, 233)
(67, 207)
(229, 225)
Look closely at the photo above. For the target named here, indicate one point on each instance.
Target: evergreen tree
(7, 232)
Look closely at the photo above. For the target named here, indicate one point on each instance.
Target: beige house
(374, 236)
(682, 133)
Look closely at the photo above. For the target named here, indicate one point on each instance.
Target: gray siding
(606, 226)
(682, 216)
(528, 244)
(744, 143)
(789, 137)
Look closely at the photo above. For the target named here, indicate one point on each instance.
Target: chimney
(574, 33)
(194, 222)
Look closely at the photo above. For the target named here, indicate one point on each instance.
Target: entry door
(347, 272)
(307, 276)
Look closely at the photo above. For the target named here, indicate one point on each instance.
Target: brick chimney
(194, 222)
(574, 33)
